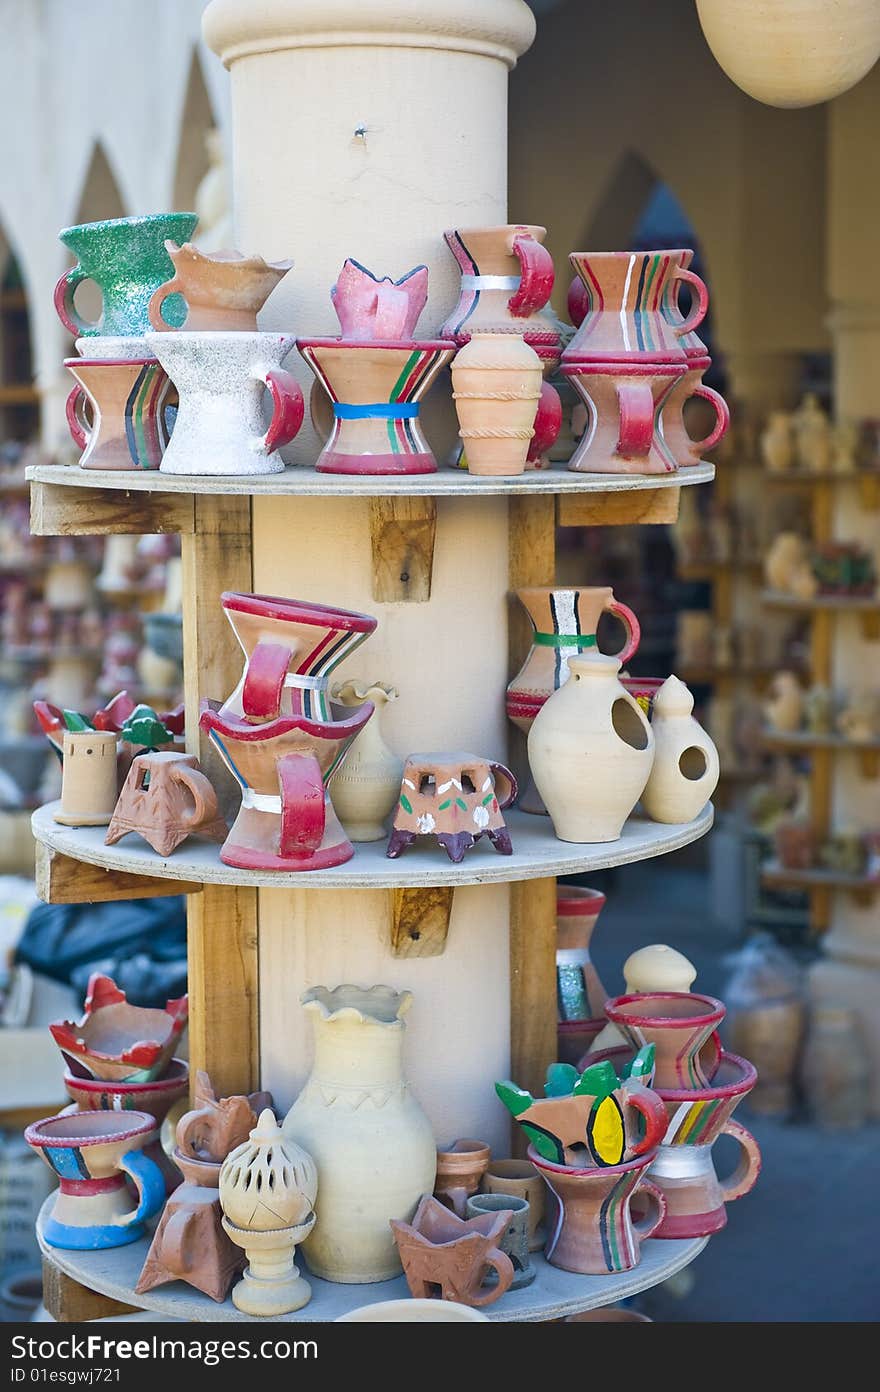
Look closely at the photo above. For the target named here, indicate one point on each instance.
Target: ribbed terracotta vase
(496, 385)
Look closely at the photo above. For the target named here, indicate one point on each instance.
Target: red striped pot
(590, 1225)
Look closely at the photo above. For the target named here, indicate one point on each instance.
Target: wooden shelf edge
(60, 879)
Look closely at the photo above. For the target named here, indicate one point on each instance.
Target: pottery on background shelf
(859, 718)
(359, 1120)
(127, 260)
(93, 1153)
(506, 282)
(268, 1186)
(784, 703)
(190, 1243)
(156, 1098)
(682, 1026)
(366, 786)
(496, 386)
(117, 1041)
(564, 624)
(127, 396)
(69, 583)
(685, 771)
(766, 1020)
(657, 967)
(788, 566)
(456, 797)
(460, 1170)
(796, 844)
(835, 1068)
(683, 1168)
(580, 995)
(370, 381)
(777, 442)
(592, 1117)
(591, 1228)
(277, 735)
(521, 1180)
(795, 54)
(222, 290)
(165, 799)
(590, 751)
(441, 1252)
(221, 378)
(89, 785)
(515, 1241)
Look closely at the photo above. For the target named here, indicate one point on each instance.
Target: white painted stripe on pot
(490, 282)
(261, 802)
(623, 324)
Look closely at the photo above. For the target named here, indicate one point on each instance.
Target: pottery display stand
(436, 559)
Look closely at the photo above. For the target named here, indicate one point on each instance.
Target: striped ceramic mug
(93, 1153)
(591, 1228)
(126, 399)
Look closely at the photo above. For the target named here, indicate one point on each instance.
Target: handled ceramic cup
(682, 1026)
(590, 1226)
(686, 450)
(221, 379)
(515, 1241)
(92, 1154)
(521, 1180)
(127, 398)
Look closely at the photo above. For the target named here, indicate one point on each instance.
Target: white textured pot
(371, 1141)
(413, 1312)
(685, 771)
(793, 52)
(366, 786)
(590, 751)
(221, 380)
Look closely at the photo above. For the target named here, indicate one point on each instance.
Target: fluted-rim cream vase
(371, 1141)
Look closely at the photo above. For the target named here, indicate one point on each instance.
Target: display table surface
(552, 1295)
(537, 854)
(305, 480)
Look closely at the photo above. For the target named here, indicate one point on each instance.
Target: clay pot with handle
(223, 290)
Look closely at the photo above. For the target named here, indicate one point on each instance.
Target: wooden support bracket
(869, 492)
(532, 989)
(62, 510)
(402, 532)
(420, 921)
(638, 507)
(870, 625)
(62, 880)
(68, 1302)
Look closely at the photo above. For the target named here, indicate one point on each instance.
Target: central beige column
(365, 130)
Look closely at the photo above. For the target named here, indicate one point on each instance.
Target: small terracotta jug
(440, 1250)
(685, 449)
(460, 1169)
(506, 281)
(519, 1178)
(222, 289)
(591, 750)
(456, 797)
(625, 403)
(496, 385)
(591, 1227)
(630, 306)
(656, 967)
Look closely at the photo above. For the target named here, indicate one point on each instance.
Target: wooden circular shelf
(552, 1295)
(537, 855)
(303, 481)
(858, 604)
(776, 876)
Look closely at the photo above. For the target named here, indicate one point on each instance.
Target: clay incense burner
(118, 1041)
(222, 289)
(441, 1251)
(166, 798)
(456, 797)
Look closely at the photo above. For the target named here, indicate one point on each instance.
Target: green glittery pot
(127, 260)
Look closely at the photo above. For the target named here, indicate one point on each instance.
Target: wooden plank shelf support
(420, 920)
(650, 505)
(62, 880)
(402, 533)
(71, 511)
(69, 1302)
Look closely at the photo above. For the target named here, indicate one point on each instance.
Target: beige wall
(611, 96)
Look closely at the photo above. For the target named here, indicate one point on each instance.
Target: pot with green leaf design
(594, 1118)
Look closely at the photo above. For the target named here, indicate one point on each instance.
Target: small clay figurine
(166, 798)
(456, 797)
(859, 720)
(784, 707)
(788, 568)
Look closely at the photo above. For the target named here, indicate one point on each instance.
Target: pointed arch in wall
(100, 197)
(623, 200)
(19, 402)
(197, 120)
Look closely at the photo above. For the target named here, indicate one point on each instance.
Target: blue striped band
(382, 410)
